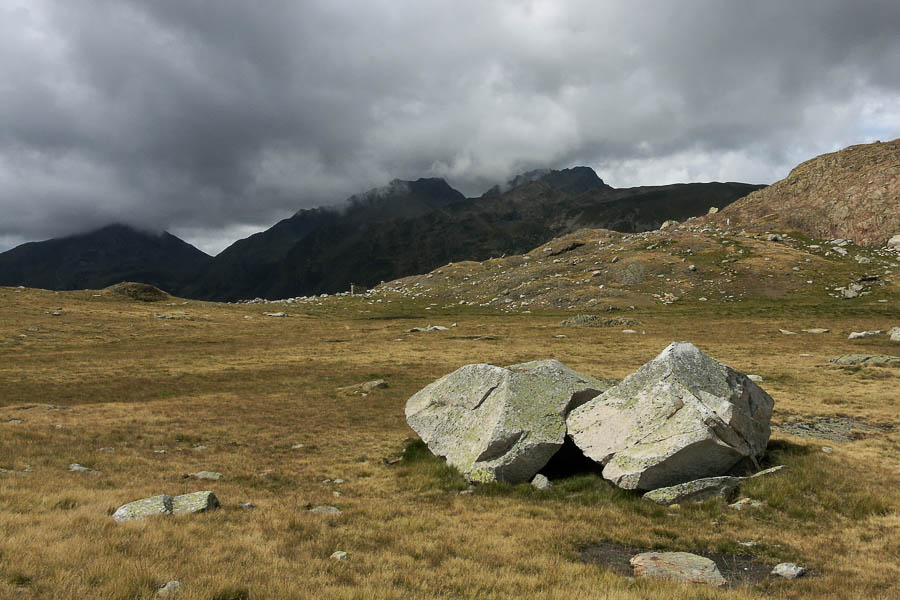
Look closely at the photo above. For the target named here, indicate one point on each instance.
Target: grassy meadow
(224, 388)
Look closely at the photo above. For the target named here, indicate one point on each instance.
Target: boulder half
(500, 423)
(680, 417)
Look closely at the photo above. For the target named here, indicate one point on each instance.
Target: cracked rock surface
(682, 416)
(500, 423)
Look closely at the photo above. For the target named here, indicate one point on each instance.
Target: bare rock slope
(852, 194)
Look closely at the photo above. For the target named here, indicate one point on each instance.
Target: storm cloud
(214, 119)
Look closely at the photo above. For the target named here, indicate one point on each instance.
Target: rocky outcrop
(680, 417)
(495, 423)
(867, 360)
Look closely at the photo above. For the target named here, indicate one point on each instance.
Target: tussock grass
(256, 388)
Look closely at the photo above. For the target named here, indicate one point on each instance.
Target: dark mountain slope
(385, 236)
(101, 258)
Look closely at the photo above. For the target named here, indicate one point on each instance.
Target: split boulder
(682, 416)
(495, 423)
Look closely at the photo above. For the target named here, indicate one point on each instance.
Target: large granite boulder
(495, 423)
(680, 417)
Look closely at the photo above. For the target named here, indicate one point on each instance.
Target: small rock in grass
(76, 468)
(340, 555)
(827, 449)
(769, 471)
(275, 314)
(166, 505)
(755, 378)
(208, 475)
(677, 566)
(859, 335)
(816, 330)
(746, 503)
(787, 332)
(247, 505)
(541, 482)
(788, 570)
(325, 510)
(169, 590)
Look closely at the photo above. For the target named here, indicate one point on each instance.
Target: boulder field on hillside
(681, 417)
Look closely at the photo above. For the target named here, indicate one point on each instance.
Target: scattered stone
(208, 475)
(863, 260)
(851, 291)
(692, 267)
(76, 468)
(840, 250)
(671, 223)
(365, 387)
(428, 328)
(868, 360)
(560, 336)
(247, 505)
(106, 449)
(712, 210)
(340, 555)
(769, 471)
(747, 503)
(677, 566)
(695, 491)
(324, 509)
(495, 423)
(787, 332)
(894, 243)
(774, 237)
(275, 314)
(788, 570)
(166, 505)
(859, 335)
(629, 331)
(15, 421)
(816, 330)
(682, 416)
(827, 449)
(541, 482)
(199, 447)
(298, 446)
(169, 590)
(755, 378)
(837, 429)
(895, 334)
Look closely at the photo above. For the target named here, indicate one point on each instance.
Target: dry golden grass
(249, 389)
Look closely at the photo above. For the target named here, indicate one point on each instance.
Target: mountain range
(403, 228)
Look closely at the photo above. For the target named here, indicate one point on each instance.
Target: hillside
(415, 228)
(101, 258)
(851, 194)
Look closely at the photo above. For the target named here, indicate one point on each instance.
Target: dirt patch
(836, 429)
(738, 570)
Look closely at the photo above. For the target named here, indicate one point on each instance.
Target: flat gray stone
(207, 475)
(76, 468)
(680, 417)
(867, 360)
(166, 505)
(340, 555)
(695, 491)
(169, 590)
(745, 503)
(325, 510)
(500, 423)
(677, 566)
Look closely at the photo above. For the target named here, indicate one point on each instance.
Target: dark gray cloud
(213, 119)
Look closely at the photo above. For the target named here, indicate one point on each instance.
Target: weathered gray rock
(340, 555)
(775, 237)
(166, 505)
(677, 566)
(788, 570)
(868, 360)
(894, 332)
(894, 243)
(325, 510)
(495, 423)
(745, 503)
(695, 491)
(859, 335)
(207, 475)
(755, 378)
(769, 471)
(680, 417)
(169, 590)
(541, 482)
(76, 468)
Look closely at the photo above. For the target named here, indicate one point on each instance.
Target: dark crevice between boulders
(569, 461)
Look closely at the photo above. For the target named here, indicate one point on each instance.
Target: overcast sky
(214, 119)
